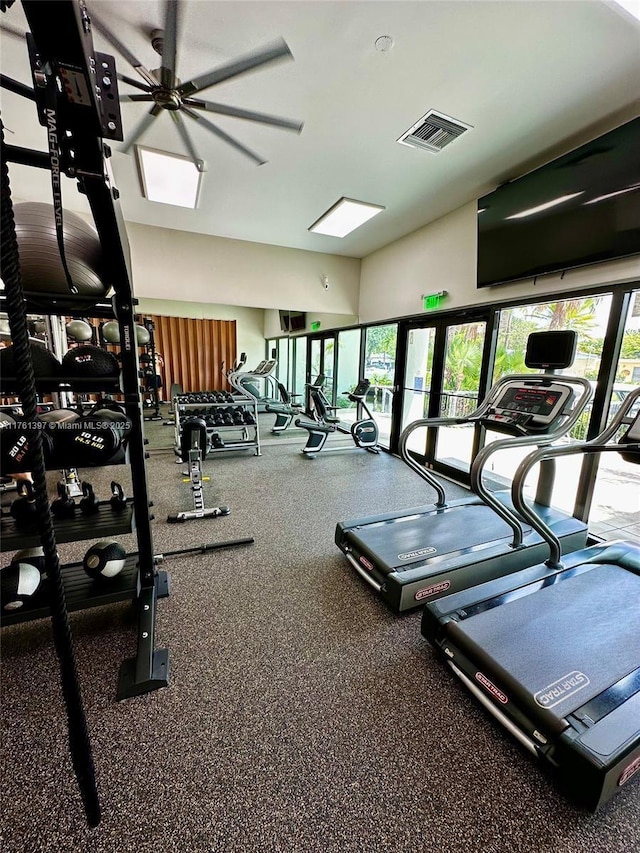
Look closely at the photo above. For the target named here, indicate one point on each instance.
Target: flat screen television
(293, 321)
(595, 216)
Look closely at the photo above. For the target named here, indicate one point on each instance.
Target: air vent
(433, 132)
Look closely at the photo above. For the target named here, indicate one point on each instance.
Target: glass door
(464, 346)
(614, 507)
(416, 384)
(380, 346)
(322, 353)
(443, 369)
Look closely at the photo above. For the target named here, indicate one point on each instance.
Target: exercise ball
(111, 332)
(105, 559)
(89, 362)
(142, 336)
(45, 364)
(40, 264)
(18, 582)
(79, 330)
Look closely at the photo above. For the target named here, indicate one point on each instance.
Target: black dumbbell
(23, 509)
(89, 504)
(63, 506)
(118, 500)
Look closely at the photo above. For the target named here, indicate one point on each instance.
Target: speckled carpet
(301, 717)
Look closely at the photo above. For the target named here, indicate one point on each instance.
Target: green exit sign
(433, 300)
(315, 326)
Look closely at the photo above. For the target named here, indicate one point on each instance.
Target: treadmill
(553, 651)
(413, 556)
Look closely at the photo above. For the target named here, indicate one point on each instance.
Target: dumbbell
(94, 440)
(89, 503)
(18, 447)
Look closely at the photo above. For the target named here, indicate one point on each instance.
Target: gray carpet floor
(301, 715)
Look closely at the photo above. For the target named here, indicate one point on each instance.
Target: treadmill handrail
(479, 463)
(599, 444)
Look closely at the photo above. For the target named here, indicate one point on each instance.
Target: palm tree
(578, 314)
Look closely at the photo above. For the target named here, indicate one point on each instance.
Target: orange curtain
(194, 352)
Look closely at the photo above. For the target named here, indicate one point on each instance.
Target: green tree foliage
(631, 344)
(382, 339)
(578, 314)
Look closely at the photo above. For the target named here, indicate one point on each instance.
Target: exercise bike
(363, 431)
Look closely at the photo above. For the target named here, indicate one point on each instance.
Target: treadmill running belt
(401, 542)
(567, 642)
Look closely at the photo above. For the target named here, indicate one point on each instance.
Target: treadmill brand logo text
(561, 689)
(629, 771)
(435, 588)
(420, 552)
(490, 687)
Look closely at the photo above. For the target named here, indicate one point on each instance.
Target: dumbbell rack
(62, 40)
(249, 433)
(105, 523)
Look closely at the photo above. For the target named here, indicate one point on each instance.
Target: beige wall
(327, 321)
(249, 321)
(442, 256)
(178, 265)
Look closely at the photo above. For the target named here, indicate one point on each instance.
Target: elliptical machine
(364, 430)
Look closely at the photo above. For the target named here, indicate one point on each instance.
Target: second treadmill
(413, 556)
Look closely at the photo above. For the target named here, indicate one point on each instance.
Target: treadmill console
(528, 407)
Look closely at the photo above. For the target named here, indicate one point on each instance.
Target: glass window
(348, 371)
(417, 382)
(615, 508)
(282, 369)
(588, 315)
(379, 369)
(299, 366)
(460, 391)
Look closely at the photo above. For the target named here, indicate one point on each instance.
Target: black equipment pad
(400, 543)
(564, 644)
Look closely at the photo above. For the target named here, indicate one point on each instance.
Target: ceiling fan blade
(134, 98)
(141, 128)
(123, 50)
(186, 138)
(225, 136)
(272, 53)
(138, 85)
(171, 22)
(236, 112)
(13, 31)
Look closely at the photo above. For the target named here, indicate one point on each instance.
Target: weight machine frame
(61, 48)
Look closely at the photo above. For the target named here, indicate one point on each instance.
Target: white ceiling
(534, 79)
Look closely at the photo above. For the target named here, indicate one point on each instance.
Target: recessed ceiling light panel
(344, 217)
(168, 178)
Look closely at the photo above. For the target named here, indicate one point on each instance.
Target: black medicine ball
(89, 362)
(46, 366)
(105, 559)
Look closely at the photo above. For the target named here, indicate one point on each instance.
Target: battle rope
(79, 744)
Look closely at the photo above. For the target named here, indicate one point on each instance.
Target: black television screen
(595, 217)
(293, 321)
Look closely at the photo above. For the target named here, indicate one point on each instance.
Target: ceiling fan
(165, 92)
